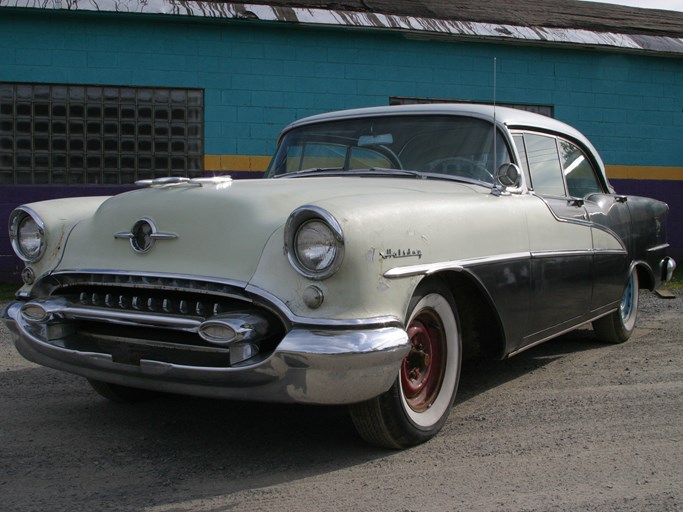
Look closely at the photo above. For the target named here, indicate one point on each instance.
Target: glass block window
(546, 110)
(83, 134)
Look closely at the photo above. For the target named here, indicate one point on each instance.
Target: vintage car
(382, 243)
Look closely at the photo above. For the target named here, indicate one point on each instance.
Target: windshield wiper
(379, 171)
(339, 171)
(324, 171)
(382, 171)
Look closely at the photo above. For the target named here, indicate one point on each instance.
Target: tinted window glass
(435, 144)
(579, 173)
(521, 149)
(544, 165)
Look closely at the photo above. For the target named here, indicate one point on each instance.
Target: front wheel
(618, 326)
(415, 408)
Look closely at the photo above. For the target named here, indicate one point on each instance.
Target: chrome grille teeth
(200, 309)
(152, 304)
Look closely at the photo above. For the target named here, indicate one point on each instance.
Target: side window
(579, 173)
(521, 149)
(544, 165)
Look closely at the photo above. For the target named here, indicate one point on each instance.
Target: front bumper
(310, 365)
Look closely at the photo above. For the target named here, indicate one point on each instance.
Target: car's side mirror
(509, 175)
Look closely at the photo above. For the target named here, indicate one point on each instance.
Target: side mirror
(509, 175)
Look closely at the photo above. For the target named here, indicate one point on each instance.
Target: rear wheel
(119, 393)
(618, 326)
(415, 408)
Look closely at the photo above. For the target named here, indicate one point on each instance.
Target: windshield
(439, 145)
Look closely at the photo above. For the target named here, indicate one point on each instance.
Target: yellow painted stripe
(639, 172)
(236, 163)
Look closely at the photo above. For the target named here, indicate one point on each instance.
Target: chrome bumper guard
(310, 365)
(667, 265)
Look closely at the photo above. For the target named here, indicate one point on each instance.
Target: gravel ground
(571, 425)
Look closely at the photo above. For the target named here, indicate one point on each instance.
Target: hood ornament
(143, 235)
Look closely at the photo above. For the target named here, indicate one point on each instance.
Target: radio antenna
(495, 153)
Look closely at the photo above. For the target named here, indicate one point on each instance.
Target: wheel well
(482, 333)
(646, 278)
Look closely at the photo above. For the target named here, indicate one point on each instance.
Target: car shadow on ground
(184, 447)
(479, 374)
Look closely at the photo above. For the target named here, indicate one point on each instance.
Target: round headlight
(316, 246)
(314, 242)
(27, 233)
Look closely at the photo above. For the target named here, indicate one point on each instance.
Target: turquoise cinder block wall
(258, 77)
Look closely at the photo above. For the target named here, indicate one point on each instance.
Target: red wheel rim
(423, 369)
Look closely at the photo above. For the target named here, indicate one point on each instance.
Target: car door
(561, 242)
(611, 223)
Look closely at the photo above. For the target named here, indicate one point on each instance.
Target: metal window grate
(83, 134)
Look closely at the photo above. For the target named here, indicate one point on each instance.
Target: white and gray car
(380, 242)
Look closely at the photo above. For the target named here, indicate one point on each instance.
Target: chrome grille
(153, 303)
(136, 317)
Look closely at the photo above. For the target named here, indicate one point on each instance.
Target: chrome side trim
(561, 254)
(658, 248)
(579, 222)
(611, 232)
(459, 265)
(563, 331)
(610, 251)
(455, 265)
(578, 252)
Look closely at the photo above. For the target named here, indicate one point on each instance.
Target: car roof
(512, 118)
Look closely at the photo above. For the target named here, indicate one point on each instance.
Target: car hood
(220, 230)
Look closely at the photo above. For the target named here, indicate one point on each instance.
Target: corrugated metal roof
(568, 22)
(574, 14)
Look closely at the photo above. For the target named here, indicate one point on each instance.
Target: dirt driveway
(572, 425)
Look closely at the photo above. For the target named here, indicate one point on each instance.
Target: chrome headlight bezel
(309, 215)
(17, 223)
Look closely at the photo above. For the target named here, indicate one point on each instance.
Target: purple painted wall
(669, 191)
